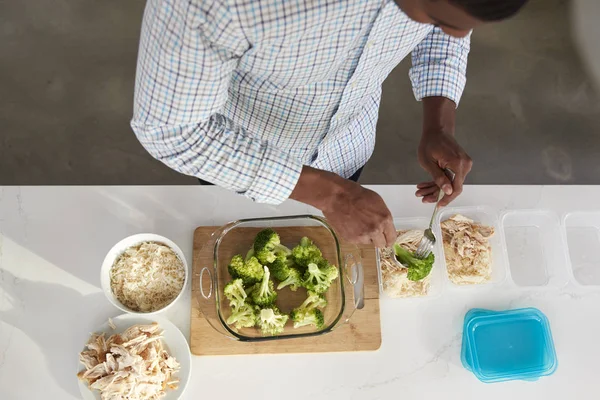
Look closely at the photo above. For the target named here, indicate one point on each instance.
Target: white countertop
(53, 241)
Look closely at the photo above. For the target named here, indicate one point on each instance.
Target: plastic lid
(508, 345)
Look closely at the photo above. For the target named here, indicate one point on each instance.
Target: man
(278, 99)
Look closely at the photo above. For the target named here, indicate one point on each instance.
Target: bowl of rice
(144, 274)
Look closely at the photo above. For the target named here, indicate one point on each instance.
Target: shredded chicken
(395, 280)
(132, 365)
(467, 250)
(147, 277)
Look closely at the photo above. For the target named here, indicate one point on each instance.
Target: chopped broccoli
(306, 252)
(265, 256)
(235, 293)
(294, 280)
(314, 300)
(263, 294)
(271, 321)
(249, 272)
(267, 246)
(319, 279)
(266, 239)
(308, 313)
(303, 317)
(249, 254)
(279, 269)
(244, 316)
(417, 268)
(236, 263)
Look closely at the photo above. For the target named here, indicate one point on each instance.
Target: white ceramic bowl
(118, 249)
(173, 340)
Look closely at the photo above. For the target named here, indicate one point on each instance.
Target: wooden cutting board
(361, 333)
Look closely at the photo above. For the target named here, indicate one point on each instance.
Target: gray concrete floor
(529, 114)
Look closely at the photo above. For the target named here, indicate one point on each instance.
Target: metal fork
(426, 244)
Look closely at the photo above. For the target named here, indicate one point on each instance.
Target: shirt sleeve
(439, 66)
(187, 56)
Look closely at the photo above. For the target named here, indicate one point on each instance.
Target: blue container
(508, 345)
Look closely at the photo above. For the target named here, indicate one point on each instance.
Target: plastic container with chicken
(474, 251)
(409, 283)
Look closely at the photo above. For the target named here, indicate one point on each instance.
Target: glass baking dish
(343, 297)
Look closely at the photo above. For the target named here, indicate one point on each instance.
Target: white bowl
(173, 340)
(119, 249)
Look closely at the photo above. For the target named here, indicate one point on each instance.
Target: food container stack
(508, 345)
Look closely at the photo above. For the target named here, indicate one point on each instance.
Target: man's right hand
(359, 215)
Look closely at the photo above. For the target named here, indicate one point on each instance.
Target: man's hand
(439, 150)
(359, 215)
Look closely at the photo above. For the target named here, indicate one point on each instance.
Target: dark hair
(490, 10)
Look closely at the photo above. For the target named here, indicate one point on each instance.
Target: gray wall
(529, 113)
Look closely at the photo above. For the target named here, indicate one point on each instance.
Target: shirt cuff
(276, 178)
(437, 80)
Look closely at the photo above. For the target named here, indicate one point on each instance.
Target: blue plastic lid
(507, 345)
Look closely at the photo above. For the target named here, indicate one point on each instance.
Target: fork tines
(425, 247)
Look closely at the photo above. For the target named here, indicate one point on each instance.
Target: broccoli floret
(294, 280)
(263, 294)
(271, 321)
(250, 272)
(417, 268)
(244, 316)
(265, 256)
(235, 293)
(318, 279)
(266, 239)
(279, 269)
(236, 263)
(249, 254)
(267, 246)
(306, 252)
(303, 317)
(308, 313)
(314, 300)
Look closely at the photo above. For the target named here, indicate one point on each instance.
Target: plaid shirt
(242, 93)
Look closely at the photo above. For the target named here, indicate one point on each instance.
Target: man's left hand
(438, 151)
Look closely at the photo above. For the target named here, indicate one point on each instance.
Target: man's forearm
(438, 115)
(357, 214)
(317, 187)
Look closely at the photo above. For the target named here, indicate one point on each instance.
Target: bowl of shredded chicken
(395, 282)
(144, 273)
(134, 358)
(467, 250)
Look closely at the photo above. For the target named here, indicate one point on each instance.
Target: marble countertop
(53, 241)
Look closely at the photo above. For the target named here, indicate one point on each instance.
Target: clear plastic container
(508, 345)
(536, 253)
(437, 280)
(582, 233)
(344, 296)
(485, 216)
